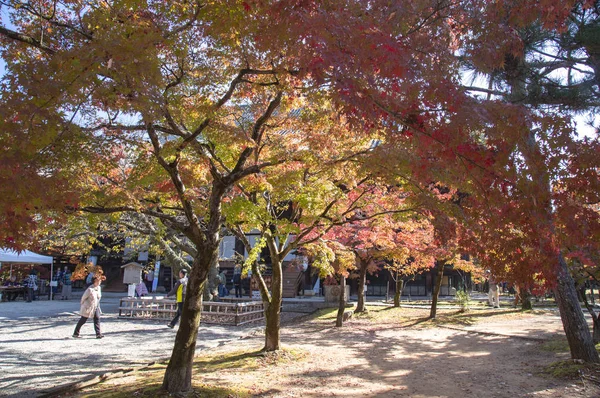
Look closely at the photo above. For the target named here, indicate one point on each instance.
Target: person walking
(178, 291)
(493, 292)
(90, 307)
(65, 293)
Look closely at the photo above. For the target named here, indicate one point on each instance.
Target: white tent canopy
(12, 256)
(27, 257)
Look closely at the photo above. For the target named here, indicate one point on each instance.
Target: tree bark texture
(362, 281)
(575, 326)
(436, 291)
(178, 375)
(342, 306)
(273, 310)
(593, 314)
(211, 289)
(397, 295)
(526, 304)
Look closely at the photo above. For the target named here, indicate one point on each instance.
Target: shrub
(464, 300)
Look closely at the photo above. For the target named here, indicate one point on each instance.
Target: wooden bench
(213, 312)
(13, 290)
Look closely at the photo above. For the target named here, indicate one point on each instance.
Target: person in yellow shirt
(178, 291)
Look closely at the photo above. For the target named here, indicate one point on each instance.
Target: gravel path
(37, 351)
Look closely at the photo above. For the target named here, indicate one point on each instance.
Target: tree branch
(238, 79)
(11, 34)
(189, 23)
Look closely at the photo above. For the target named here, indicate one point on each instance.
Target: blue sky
(6, 23)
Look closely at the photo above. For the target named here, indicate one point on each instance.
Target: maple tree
(182, 95)
(299, 208)
(172, 133)
(335, 262)
(412, 253)
(549, 179)
(374, 233)
(173, 106)
(490, 148)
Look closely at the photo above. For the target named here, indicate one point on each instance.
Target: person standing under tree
(223, 284)
(31, 285)
(90, 307)
(237, 280)
(149, 279)
(65, 293)
(58, 277)
(179, 291)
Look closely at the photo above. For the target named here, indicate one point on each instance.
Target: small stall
(9, 256)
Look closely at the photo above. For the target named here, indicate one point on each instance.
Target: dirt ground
(398, 353)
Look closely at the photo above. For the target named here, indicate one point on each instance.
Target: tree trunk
(436, 291)
(397, 295)
(273, 311)
(575, 326)
(362, 281)
(211, 289)
(178, 375)
(342, 307)
(595, 318)
(526, 304)
(596, 329)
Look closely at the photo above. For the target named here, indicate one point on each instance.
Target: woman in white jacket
(90, 307)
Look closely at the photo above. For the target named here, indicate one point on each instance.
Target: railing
(222, 313)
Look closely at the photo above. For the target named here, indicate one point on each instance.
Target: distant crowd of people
(28, 287)
(63, 284)
(62, 281)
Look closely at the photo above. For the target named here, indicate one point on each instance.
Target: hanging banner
(156, 274)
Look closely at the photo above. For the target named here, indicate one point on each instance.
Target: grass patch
(463, 318)
(456, 318)
(146, 383)
(282, 357)
(558, 345)
(571, 370)
(565, 369)
(324, 314)
(405, 317)
(243, 360)
(377, 314)
(247, 360)
(149, 384)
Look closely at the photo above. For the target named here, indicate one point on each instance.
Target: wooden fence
(213, 312)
